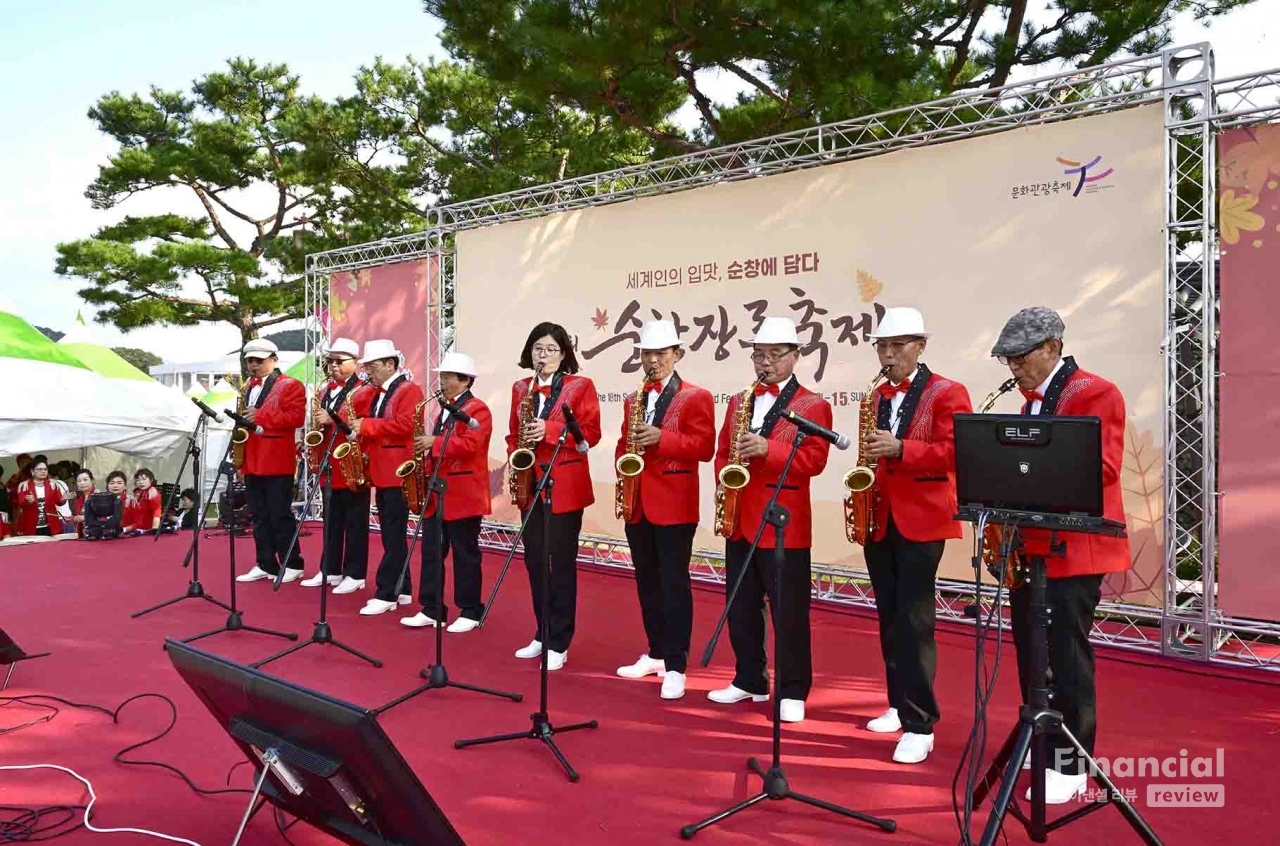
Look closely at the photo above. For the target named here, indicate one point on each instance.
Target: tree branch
(752, 79)
(270, 321)
(622, 109)
(673, 62)
(1008, 50)
(977, 7)
(213, 215)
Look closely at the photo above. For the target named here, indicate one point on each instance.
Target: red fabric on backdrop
(1249, 390)
(393, 301)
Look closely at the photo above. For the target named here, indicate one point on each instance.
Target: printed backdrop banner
(1249, 461)
(395, 301)
(1067, 215)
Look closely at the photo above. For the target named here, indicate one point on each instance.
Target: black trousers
(462, 538)
(563, 546)
(902, 576)
(393, 524)
(346, 534)
(1071, 604)
(746, 619)
(661, 558)
(274, 524)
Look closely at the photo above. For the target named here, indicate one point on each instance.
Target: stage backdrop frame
(1197, 107)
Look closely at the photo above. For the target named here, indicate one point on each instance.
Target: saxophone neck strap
(1053, 393)
(664, 400)
(557, 382)
(906, 411)
(774, 414)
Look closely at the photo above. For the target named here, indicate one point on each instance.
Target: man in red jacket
(763, 448)
(386, 437)
(1030, 345)
(465, 470)
(277, 405)
(915, 497)
(678, 432)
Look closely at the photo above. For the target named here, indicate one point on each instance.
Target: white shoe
(291, 575)
(405, 599)
(349, 585)
(672, 685)
(555, 660)
(1060, 789)
(729, 695)
(791, 710)
(376, 606)
(533, 650)
(913, 748)
(318, 579)
(254, 575)
(417, 621)
(886, 723)
(463, 624)
(644, 666)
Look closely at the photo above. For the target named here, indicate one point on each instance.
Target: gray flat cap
(1027, 330)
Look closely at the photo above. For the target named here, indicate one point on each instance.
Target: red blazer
(669, 482)
(1087, 395)
(140, 512)
(362, 400)
(810, 461)
(572, 490)
(29, 512)
(466, 466)
(275, 451)
(919, 489)
(387, 441)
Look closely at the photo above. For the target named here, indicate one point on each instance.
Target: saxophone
(523, 459)
(241, 435)
(993, 533)
(410, 473)
(349, 456)
(734, 476)
(860, 504)
(631, 463)
(314, 439)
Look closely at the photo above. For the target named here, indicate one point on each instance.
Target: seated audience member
(38, 501)
(84, 488)
(186, 515)
(104, 519)
(142, 509)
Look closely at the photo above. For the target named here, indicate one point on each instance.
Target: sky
(58, 57)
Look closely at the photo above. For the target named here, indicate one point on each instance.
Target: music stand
(775, 785)
(993, 455)
(542, 729)
(436, 675)
(195, 590)
(11, 654)
(331, 764)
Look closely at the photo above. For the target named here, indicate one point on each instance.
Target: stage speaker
(11, 654)
(323, 760)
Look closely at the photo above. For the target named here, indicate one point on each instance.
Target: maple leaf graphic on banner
(601, 320)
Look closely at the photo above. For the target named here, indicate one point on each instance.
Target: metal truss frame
(1197, 109)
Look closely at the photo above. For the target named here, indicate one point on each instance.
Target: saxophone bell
(735, 477)
(314, 438)
(859, 479)
(239, 436)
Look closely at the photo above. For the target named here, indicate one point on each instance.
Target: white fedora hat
(380, 348)
(344, 346)
(658, 335)
(456, 362)
(777, 330)
(260, 348)
(901, 323)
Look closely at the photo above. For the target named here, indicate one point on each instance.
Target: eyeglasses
(771, 358)
(892, 346)
(546, 350)
(1017, 360)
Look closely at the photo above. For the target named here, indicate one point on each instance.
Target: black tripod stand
(1037, 720)
(436, 675)
(235, 621)
(541, 729)
(775, 781)
(321, 634)
(195, 590)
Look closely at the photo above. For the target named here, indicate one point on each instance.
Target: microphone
(571, 424)
(247, 424)
(206, 410)
(459, 414)
(810, 428)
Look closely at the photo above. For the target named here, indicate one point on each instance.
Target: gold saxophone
(631, 463)
(314, 439)
(413, 474)
(349, 455)
(241, 435)
(522, 460)
(860, 504)
(993, 533)
(734, 476)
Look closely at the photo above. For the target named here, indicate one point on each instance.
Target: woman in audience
(38, 501)
(142, 510)
(84, 486)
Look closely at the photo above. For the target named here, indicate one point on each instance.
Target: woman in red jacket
(142, 509)
(549, 353)
(38, 501)
(84, 484)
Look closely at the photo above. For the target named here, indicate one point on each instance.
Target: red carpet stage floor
(650, 768)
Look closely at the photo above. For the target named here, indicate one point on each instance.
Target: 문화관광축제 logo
(1078, 177)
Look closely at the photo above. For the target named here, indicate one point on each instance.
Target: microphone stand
(775, 780)
(321, 634)
(234, 622)
(195, 590)
(437, 676)
(541, 730)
